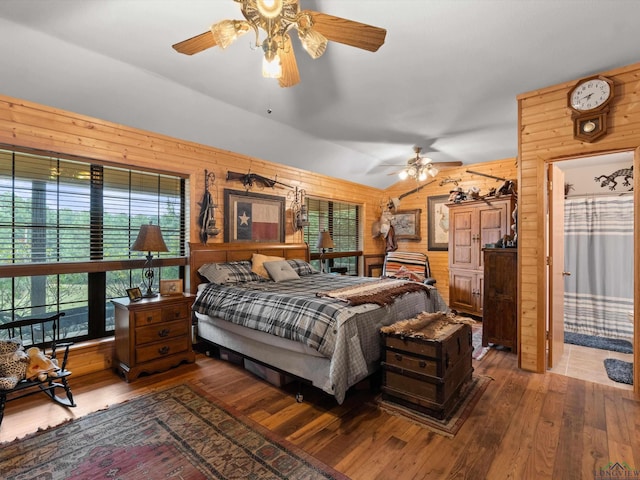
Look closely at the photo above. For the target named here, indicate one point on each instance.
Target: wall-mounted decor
(253, 217)
(406, 224)
(438, 223)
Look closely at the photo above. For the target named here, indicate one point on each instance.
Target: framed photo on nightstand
(171, 287)
(134, 294)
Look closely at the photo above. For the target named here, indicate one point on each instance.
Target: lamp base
(149, 295)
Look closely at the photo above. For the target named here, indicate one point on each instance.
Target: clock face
(590, 94)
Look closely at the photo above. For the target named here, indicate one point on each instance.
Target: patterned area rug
(619, 370)
(176, 433)
(476, 341)
(448, 427)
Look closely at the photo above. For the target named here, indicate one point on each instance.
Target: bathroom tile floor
(588, 364)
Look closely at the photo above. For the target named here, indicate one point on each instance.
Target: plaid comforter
(348, 335)
(287, 309)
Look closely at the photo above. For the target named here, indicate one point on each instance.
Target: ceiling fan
(420, 168)
(276, 18)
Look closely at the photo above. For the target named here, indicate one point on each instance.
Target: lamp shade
(324, 240)
(149, 240)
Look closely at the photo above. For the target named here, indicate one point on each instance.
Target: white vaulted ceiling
(446, 78)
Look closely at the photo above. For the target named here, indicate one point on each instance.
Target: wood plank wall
(30, 125)
(546, 135)
(439, 260)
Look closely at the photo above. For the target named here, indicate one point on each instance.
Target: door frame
(636, 261)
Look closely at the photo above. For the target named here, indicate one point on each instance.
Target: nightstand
(152, 334)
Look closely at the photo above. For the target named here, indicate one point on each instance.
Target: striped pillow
(411, 265)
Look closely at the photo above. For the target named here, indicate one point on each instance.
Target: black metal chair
(43, 333)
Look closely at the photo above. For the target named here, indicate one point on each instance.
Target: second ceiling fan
(277, 18)
(420, 168)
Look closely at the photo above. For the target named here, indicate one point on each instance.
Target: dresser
(500, 319)
(152, 334)
(472, 225)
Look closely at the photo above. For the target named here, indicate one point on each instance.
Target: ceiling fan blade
(447, 164)
(348, 32)
(196, 44)
(290, 74)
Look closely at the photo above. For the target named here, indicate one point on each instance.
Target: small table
(152, 334)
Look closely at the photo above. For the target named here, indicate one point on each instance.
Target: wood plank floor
(526, 426)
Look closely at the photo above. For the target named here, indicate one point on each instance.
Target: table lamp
(149, 240)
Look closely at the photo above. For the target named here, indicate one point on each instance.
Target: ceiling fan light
(226, 31)
(313, 42)
(433, 171)
(269, 8)
(422, 176)
(403, 175)
(271, 68)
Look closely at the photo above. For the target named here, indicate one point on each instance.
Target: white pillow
(280, 271)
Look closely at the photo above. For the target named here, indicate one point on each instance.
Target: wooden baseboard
(91, 356)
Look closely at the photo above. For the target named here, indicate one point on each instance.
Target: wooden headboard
(232, 252)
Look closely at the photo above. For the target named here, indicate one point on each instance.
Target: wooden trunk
(427, 374)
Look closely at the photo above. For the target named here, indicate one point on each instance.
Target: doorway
(598, 267)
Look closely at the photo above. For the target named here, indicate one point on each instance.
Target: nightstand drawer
(175, 312)
(148, 317)
(162, 349)
(155, 333)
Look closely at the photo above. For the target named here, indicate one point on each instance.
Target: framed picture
(438, 223)
(171, 287)
(406, 224)
(253, 217)
(134, 294)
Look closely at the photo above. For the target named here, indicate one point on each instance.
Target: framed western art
(253, 217)
(406, 224)
(171, 287)
(438, 223)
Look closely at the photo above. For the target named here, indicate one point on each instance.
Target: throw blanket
(381, 292)
(427, 325)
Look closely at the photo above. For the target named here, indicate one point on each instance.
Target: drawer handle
(398, 357)
(176, 314)
(150, 318)
(164, 332)
(422, 364)
(164, 350)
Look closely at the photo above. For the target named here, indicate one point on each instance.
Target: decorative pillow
(280, 271)
(257, 261)
(228, 273)
(404, 272)
(301, 267)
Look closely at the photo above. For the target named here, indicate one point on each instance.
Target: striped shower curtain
(599, 254)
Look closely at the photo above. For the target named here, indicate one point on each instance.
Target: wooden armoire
(474, 224)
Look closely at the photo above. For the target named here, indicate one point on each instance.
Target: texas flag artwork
(257, 222)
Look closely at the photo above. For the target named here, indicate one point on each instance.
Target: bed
(328, 340)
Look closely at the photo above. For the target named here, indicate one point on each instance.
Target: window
(342, 220)
(71, 223)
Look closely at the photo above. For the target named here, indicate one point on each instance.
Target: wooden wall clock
(589, 102)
